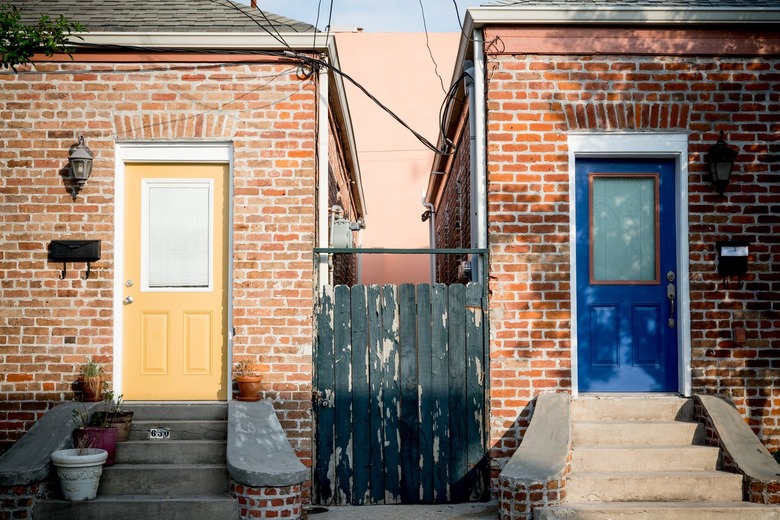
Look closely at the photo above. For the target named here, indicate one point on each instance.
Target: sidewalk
(469, 511)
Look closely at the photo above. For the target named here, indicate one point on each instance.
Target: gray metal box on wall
(342, 234)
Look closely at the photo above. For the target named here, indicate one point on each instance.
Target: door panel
(626, 245)
(175, 311)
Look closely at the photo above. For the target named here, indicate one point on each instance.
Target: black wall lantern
(80, 165)
(720, 160)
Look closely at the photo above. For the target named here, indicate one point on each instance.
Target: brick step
(146, 411)
(181, 430)
(628, 408)
(656, 486)
(171, 452)
(130, 507)
(164, 479)
(636, 432)
(644, 458)
(659, 511)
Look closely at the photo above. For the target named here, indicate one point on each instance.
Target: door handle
(128, 300)
(671, 294)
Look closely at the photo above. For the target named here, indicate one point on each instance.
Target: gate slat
(475, 392)
(410, 448)
(457, 392)
(377, 432)
(361, 418)
(425, 381)
(324, 480)
(343, 401)
(440, 395)
(391, 394)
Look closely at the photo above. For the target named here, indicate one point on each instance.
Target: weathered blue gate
(400, 395)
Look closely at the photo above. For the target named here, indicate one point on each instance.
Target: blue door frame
(627, 316)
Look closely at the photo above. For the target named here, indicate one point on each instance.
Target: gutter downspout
(476, 93)
(322, 176)
(431, 234)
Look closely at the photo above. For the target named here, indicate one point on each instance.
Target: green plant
(110, 411)
(245, 368)
(19, 42)
(80, 416)
(91, 368)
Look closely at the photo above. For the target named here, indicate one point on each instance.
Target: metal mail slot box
(74, 250)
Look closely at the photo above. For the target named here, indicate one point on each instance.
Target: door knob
(128, 300)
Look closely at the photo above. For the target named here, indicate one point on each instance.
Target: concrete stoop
(637, 457)
(182, 477)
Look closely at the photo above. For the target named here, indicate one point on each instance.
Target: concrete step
(659, 511)
(146, 411)
(644, 458)
(180, 430)
(635, 432)
(140, 507)
(171, 452)
(657, 486)
(632, 407)
(164, 479)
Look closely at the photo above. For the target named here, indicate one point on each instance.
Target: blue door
(626, 275)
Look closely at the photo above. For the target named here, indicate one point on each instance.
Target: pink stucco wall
(397, 69)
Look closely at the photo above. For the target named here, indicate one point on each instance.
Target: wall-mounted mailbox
(74, 251)
(732, 257)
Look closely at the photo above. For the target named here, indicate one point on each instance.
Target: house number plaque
(159, 433)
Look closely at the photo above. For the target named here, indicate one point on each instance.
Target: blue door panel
(625, 341)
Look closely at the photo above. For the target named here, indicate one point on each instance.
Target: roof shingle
(161, 16)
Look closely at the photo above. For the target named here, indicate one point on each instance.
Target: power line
(430, 51)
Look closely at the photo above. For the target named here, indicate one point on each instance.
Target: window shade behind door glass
(179, 234)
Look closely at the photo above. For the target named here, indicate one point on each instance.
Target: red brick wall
(453, 225)
(533, 101)
(48, 325)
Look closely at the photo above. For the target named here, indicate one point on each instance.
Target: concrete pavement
(469, 511)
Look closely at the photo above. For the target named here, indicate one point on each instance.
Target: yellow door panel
(175, 312)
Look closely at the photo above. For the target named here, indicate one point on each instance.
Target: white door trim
(162, 152)
(638, 145)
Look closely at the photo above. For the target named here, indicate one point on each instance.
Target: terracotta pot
(248, 388)
(122, 421)
(92, 388)
(100, 438)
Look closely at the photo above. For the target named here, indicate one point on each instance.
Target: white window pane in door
(624, 228)
(179, 235)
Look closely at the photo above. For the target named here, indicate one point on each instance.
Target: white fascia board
(346, 121)
(480, 16)
(301, 42)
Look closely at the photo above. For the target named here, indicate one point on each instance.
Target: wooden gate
(399, 395)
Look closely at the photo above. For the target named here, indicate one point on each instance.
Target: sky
(375, 15)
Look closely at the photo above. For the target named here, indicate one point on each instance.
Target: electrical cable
(278, 37)
(430, 51)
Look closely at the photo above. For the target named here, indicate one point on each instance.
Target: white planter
(79, 472)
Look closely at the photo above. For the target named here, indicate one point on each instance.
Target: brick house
(209, 116)
(633, 92)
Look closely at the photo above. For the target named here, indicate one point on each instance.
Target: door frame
(200, 152)
(663, 145)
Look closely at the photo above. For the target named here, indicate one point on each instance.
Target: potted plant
(114, 416)
(95, 433)
(92, 381)
(247, 375)
(79, 469)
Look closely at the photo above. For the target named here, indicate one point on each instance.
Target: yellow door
(175, 310)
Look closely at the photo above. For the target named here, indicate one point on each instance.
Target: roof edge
(302, 42)
(480, 16)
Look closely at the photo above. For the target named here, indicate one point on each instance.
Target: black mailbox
(732, 257)
(74, 251)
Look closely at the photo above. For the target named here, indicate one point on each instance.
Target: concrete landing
(469, 511)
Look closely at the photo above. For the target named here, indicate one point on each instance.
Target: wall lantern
(80, 165)
(720, 160)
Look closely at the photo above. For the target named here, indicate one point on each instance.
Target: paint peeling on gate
(401, 370)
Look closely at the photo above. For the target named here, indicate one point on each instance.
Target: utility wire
(430, 51)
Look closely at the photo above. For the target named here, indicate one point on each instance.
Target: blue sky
(375, 15)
